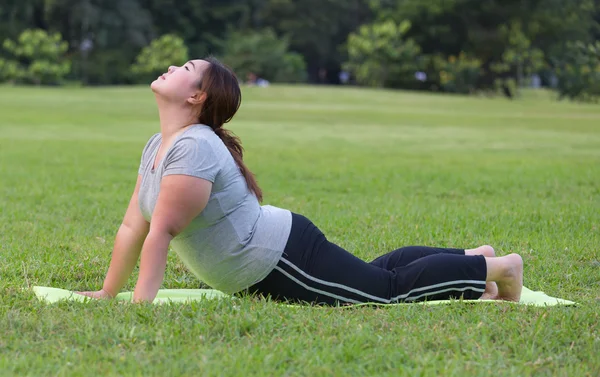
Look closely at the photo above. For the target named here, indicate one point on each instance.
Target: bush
(458, 74)
(264, 54)
(154, 59)
(9, 70)
(380, 56)
(579, 72)
(39, 58)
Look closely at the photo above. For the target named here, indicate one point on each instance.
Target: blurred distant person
(344, 77)
(421, 76)
(254, 80)
(536, 81)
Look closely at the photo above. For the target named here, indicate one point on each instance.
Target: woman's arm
(126, 250)
(180, 200)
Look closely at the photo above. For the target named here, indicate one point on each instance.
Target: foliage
(109, 66)
(9, 70)
(579, 72)
(511, 39)
(202, 24)
(39, 58)
(154, 59)
(264, 54)
(518, 59)
(105, 36)
(457, 74)
(379, 55)
(315, 28)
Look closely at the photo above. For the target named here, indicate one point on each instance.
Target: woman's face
(178, 84)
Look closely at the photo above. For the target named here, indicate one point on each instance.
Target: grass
(375, 170)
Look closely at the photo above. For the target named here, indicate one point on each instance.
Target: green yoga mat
(51, 295)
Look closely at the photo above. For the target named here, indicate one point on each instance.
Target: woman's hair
(223, 99)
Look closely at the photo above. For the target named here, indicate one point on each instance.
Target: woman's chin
(155, 84)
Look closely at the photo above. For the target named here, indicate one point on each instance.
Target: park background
(450, 123)
(455, 46)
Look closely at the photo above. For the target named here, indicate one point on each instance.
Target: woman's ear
(197, 98)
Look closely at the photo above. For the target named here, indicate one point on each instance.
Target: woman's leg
(314, 270)
(407, 255)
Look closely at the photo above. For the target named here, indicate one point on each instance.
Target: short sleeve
(146, 153)
(193, 157)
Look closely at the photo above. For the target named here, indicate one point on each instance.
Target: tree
(317, 29)
(579, 72)
(38, 58)
(155, 58)
(488, 31)
(518, 59)
(380, 55)
(203, 24)
(105, 35)
(9, 70)
(18, 15)
(264, 54)
(457, 74)
(508, 38)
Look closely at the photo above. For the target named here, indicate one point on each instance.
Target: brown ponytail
(234, 144)
(223, 99)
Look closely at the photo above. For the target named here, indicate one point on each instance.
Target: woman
(195, 193)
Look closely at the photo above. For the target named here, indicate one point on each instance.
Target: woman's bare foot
(510, 281)
(491, 291)
(485, 250)
(491, 288)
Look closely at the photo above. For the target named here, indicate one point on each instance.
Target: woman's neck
(173, 119)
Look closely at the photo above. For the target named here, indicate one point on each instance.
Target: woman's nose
(171, 68)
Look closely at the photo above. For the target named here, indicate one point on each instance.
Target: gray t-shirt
(234, 242)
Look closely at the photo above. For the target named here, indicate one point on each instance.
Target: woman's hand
(101, 294)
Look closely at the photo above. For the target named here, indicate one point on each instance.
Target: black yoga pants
(314, 270)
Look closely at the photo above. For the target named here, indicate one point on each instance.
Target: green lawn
(375, 170)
